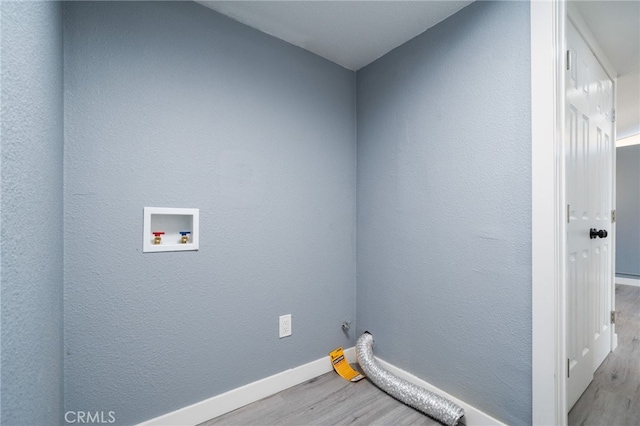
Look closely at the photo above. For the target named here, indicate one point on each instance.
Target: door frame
(548, 360)
(547, 230)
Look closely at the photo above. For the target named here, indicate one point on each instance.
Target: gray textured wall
(628, 210)
(31, 213)
(444, 207)
(169, 104)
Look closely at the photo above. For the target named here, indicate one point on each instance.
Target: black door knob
(594, 233)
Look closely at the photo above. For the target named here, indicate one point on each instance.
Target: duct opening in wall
(431, 404)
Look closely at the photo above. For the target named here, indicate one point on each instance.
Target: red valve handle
(157, 234)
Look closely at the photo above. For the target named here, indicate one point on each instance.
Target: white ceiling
(350, 33)
(356, 33)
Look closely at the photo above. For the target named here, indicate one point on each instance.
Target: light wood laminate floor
(613, 398)
(326, 400)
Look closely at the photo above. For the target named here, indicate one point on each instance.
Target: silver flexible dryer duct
(414, 396)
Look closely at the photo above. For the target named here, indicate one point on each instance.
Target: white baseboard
(244, 395)
(252, 392)
(628, 281)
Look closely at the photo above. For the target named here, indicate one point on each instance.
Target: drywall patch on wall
(31, 213)
(170, 104)
(444, 207)
(628, 211)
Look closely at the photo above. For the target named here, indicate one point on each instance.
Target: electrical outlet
(285, 325)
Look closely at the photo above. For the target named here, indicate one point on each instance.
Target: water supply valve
(185, 237)
(157, 237)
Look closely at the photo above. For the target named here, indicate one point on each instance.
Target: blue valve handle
(183, 233)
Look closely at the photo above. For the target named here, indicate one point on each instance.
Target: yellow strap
(342, 367)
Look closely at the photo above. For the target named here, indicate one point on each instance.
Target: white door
(589, 128)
